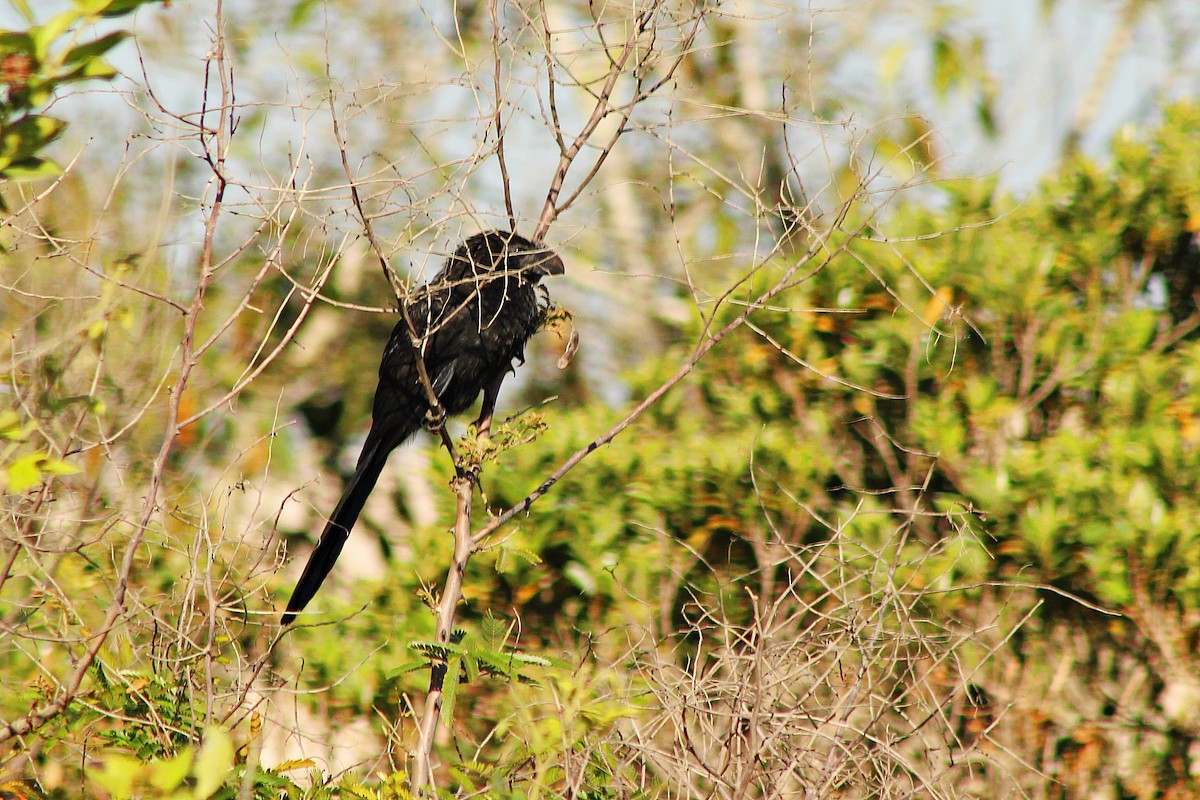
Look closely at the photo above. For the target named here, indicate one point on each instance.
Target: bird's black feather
(470, 322)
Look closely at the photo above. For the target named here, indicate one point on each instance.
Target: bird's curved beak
(549, 264)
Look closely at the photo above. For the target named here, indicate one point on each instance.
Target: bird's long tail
(329, 547)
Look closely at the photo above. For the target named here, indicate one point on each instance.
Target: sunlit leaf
(892, 62)
(25, 473)
(22, 139)
(54, 466)
(10, 426)
(213, 762)
(91, 7)
(947, 64)
(166, 775)
(117, 775)
(116, 8)
(450, 690)
(32, 169)
(45, 35)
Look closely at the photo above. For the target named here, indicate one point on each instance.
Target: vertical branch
(499, 121)
(600, 110)
(464, 545)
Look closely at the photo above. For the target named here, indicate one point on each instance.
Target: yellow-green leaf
(25, 473)
(213, 762)
(91, 7)
(56, 467)
(166, 775)
(44, 35)
(117, 775)
(10, 425)
(32, 169)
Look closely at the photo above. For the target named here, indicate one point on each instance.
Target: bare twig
(437, 413)
(187, 362)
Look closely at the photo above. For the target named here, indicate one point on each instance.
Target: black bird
(471, 321)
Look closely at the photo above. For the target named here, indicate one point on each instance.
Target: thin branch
(498, 120)
(437, 413)
(601, 109)
(464, 546)
(187, 361)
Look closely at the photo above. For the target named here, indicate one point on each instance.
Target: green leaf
(93, 69)
(531, 660)
(985, 109)
(91, 7)
(493, 632)
(213, 763)
(471, 666)
(31, 169)
(410, 666)
(450, 690)
(947, 64)
(891, 63)
(10, 427)
(301, 11)
(503, 563)
(95, 49)
(355, 789)
(117, 8)
(23, 138)
(16, 42)
(436, 650)
(56, 467)
(499, 663)
(463, 779)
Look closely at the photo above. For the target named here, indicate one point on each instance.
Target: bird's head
(502, 251)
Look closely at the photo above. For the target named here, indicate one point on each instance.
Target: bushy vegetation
(923, 526)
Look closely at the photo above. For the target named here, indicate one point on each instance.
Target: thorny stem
(464, 486)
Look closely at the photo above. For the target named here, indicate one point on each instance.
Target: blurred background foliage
(941, 493)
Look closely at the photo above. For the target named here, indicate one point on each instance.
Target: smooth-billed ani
(471, 321)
